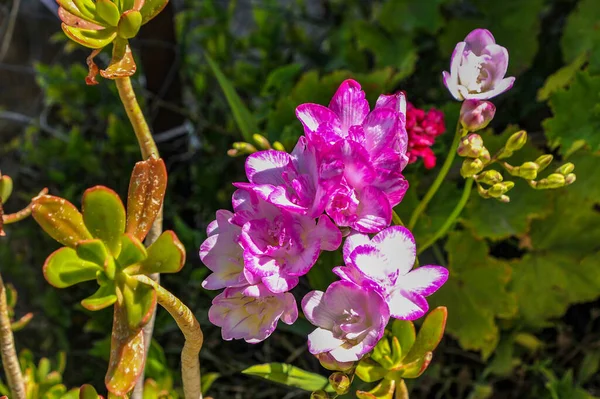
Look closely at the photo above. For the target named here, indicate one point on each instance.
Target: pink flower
(384, 264)
(477, 68)
(476, 114)
(350, 318)
(423, 127)
(251, 313)
(279, 246)
(371, 148)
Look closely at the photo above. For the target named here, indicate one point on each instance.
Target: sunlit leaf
(64, 268)
(289, 375)
(88, 392)
(370, 371)
(104, 216)
(430, 334)
(414, 368)
(151, 9)
(561, 78)
(92, 251)
(103, 298)
(384, 390)
(60, 219)
(165, 255)
(139, 302)
(132, 251)
(404, 331)
(90, 38)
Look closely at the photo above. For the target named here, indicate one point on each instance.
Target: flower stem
(438, 180)
(396, 220)
(451, 219)
(188, 324)
(148, 149)
(10, 361)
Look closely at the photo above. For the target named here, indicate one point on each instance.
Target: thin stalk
(10, 361)
(188, 324)
(148, 149)
(438, 180)
(396, 220)
(451, 219)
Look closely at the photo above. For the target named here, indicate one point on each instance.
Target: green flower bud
(570, 179)
(490, 177)
(555, 180)
(130, 24)
(504, 153)
(108, 11)
(319, 395)
(543, 161)
(528, 170)
(471, 167)
(244, 147)
(471, 146)
(504, 198)
(340, 382)
(566, 169)
(261, 141)
(498, 189)
(516, 141)
(278, 146)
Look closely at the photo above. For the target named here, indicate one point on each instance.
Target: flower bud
(6, 187)
(484, 156)
(504, 198)
(570, 179)
(516, 141)
(543, 161)
(528, 170)
(498, 189)
(319, 395)
(330, 363)
(244, 147)
(490, 177)
(108, 11)
(555, 180)
(261, 141)
(476, 114)
(340, 382)
(471, 167)
(278, 146)
(566, 169)
(130, 24)
(471, 146)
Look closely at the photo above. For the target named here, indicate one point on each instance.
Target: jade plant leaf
(430, 334)
(122, 63)
(102, 298)
(104, 216)
(384, 390)
(91, 38)
(370, 371)
(151, 9)
(139, 302)
(132, 251)
(126, 355)
(92, 251)
(165, 255)
(6, 187)
(415, 368)
(63, 268)
(88, 392)
(289, 375)
(60, 219)
(146, 193)
(475, 293)
(404, 331)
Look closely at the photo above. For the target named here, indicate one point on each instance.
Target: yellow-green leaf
(139, 301)
(102, 298)
(104, 216)
(60, 219)
(369, 370)
(132, 251)
(165, 255)
(6, 187)
(90, 38)
(430, 334)
(92, 251)
(289, 375)
(64, 268)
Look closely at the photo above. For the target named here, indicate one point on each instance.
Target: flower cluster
(423, 127)
(345, 172)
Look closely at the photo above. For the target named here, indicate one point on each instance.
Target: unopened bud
(108, 12)
(471, 167)
(278, 146)
(528, 170)
(490, 177)
(543, 161)
(516, 141)
(471, 146)
(319, 395)
(484, 156)
(498, 189)
(504, 153)
(570, 179)
(244, 147)
(555, 180)
(504, 198)
(476, 114)
(261, 141)
(566, 169)
(340, 382)
(6, 188)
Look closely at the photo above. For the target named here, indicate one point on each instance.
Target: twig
(10, 28)
(10, 361)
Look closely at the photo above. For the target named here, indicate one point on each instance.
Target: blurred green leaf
(289, 375)
(581, 33)
(561, 78)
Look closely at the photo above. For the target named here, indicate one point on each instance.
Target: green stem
(148, 149)
(10, 361)
(189, 326)
(438, 180)
(451, 219)
(396, 219)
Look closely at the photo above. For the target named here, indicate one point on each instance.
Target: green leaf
(475, 293)
(289, 375)
(91, 38)
(571, 121)
(281, 79)
(129, 24)
(139, 301)
(546, 284)
(208, 380)
(581, 32)
(589, 366)
(92, 251)
(242, 115)
(88, 392)
(384, 390)
(6, 187)
(151, 390)
(561, 78)
(404, 330)
(104, 216)
(587, 168)
(103, 298)
(165, 255)
(414, 368)
(407, 16)
(60, 219)
(132, 251)
(63, 268)
(147, 188)
(430, 334)
(370, 371)
(151, 9)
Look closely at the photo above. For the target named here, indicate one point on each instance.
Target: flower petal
(267, 167)
(350, 104)
(314, 115)
(322, 340)
(381, 128)
(478, 39)
(316, 311)
(374, 212)
(406, 305)
(424, 280)
(397, 244)
(498, 63)
(352, 241)
(329, 234)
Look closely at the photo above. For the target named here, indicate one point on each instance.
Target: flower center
(473, 73)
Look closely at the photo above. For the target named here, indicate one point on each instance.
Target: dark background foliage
(523, 309)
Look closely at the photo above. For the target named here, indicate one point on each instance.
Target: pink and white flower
(251, 312)
(477, 68)
(385, 264)
(350, 318)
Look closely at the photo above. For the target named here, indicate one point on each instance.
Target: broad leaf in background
(581, 34)
(289, 375)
